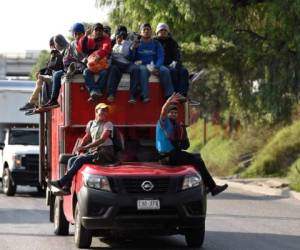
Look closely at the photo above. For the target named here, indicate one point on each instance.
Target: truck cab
(19, 158)
(137, 193)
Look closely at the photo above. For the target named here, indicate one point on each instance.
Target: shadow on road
(213, 241)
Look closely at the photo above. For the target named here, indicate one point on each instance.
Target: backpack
(117, 139)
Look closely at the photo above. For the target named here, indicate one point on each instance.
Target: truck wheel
(61, 225)
(194, 237)
(82, 236)
(8, 187)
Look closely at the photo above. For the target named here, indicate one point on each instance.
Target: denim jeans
(92, 85)
(180, 157)
(180, 79)
(115, 74)
(164, 78)
(74, 164)
(57, 75)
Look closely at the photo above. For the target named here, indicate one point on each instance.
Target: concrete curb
(281, 192)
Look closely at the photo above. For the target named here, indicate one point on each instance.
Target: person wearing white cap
(172, 60)
(97, 143)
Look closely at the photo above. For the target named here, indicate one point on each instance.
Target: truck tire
(194, 237)
(61, 225)
(82, 236)
(8, 186)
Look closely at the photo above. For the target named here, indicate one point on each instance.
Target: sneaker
(51, 104)
(27, 106)
(218, 189)
(110, 98)
(146, 99)
(132, 100)
(71, 71)
(55, 184)
(31, 112)
(94, 96)
(181, 98)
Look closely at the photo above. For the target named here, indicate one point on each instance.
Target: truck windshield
(24, 137)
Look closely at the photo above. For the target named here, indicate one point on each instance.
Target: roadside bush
(277, 156)
(294, 176)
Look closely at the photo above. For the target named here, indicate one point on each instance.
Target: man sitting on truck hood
(171, 139)
(96, 142)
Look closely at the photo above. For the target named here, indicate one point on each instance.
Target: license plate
(148, 205)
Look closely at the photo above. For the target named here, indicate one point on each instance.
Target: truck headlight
(191, 181)
(17, 160)
(97, 182)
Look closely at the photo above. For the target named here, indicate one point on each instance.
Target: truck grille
(132, 211)
(134, 185)
(31, 162)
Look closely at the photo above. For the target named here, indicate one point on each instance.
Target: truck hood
(138, 169)
(22, 149)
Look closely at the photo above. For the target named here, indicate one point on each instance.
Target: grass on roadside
(277, 156)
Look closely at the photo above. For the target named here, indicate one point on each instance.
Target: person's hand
(88, 32)
(155, 72)
(81, 149)
(135, 44)
(174, 98)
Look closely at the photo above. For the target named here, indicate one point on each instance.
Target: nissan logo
(147, 186)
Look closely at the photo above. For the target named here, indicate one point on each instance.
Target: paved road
(236, 220)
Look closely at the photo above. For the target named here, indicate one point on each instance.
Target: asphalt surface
(236, 220)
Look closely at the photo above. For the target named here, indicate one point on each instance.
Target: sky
(29, 24)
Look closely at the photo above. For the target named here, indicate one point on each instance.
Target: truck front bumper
(107, 210)
(25, 177)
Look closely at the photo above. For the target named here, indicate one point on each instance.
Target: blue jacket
(147, 52)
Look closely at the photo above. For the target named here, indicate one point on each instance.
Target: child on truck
(171, 140)
(97, 143)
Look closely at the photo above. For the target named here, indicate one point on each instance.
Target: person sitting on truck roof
(172, 60)
(150, 54)
(96, 142)
(99, 45)
(171, 140)
(119, 65)
(61, 44)
(44, 75)
(72, 61)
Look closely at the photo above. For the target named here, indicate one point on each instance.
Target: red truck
(137, 194)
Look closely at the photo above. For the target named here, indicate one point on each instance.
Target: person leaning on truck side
(169, 143)
(172, 60)
(44, 75)
(100, 45)
(96, 142)
(151, 55)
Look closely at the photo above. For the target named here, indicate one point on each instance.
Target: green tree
(253, 44)
(40, 63)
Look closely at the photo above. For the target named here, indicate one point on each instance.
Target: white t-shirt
(95, 129)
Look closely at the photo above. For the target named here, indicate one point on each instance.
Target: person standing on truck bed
(72, 61)
(172, 60)
(171, 140)
(99, 45)
(98, 144)
(44, 75)
(151, 55)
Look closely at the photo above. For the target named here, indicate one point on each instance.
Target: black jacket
(171, 50)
